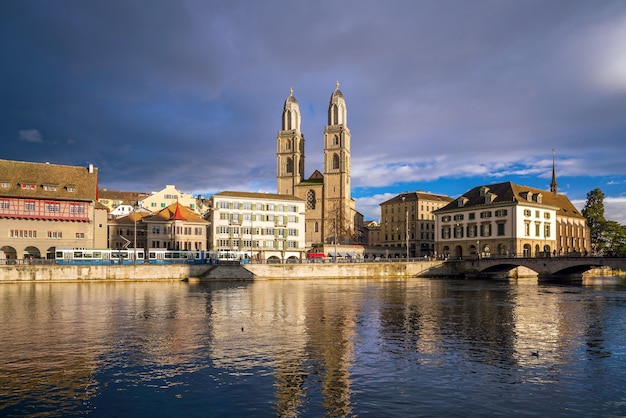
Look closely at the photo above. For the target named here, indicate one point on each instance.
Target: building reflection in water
(314, 340)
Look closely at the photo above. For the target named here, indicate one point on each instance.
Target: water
(393, 348)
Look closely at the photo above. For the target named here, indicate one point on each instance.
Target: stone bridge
(546, 268)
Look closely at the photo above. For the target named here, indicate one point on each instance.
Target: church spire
(553, 186)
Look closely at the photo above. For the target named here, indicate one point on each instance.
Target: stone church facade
(330, 210)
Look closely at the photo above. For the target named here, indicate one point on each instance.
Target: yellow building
(330, 210)
(408, 219)
(49, 206)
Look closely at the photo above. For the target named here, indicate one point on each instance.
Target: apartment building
(260, 226)
(47, 206)
(408, 223)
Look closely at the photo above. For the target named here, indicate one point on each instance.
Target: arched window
(289, 167)
(310, 201)
(335, 162)
(288, 120)
(288, 144)
(335, 115)
(317, 227)
(336, 140)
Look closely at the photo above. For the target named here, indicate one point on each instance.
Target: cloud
(30, 135)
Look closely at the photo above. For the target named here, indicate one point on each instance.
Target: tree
(607, 237)
(594, 214)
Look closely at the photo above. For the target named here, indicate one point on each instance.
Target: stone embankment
(205, 272)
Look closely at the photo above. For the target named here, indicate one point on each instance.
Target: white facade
(261, 226)
(502, 220)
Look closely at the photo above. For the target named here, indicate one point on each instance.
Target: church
(331, 217)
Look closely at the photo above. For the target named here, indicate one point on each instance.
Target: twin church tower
(330, 211)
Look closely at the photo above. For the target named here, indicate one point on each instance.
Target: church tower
(290, 149)
(337, 199)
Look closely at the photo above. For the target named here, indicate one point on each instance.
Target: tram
(76, 256)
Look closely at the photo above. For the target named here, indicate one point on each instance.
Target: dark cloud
(190, 93)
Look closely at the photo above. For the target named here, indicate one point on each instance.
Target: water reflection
(313, 348)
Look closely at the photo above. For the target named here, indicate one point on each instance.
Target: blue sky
(442, 95)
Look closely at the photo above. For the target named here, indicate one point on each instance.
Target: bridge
(546, 267)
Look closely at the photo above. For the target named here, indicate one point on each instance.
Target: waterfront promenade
(565, 268)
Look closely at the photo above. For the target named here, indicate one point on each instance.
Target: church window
(310, 199)
(335, 115)
(336, 140)
(288, 144)
(317, 227)
(335, 162)
(288, 120)
(289, 168)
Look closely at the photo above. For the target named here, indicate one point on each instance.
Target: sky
(442, 96)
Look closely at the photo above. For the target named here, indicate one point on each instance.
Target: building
(261, 225)
(509, 220)
(330, 210)
(157, 201)
(120, 203)
(176, 227)
(49, 206)
(129, 231)
(408, 219)
(371, 234)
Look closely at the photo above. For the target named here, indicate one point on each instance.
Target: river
(312, 348)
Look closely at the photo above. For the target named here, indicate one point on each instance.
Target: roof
(49, 181)
(121, 195)
(418, 195)
(253, 195)
(511, 193)
(175, 211)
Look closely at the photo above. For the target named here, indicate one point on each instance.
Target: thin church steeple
(553, 186)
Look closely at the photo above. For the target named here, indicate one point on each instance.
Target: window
(527, 212)
(471, 216)
(527, 228)
(547, 230)
(50, 187)
(310, 200)
(53, 207)
(4, 204)
(292, 208)
(27, 186)
(501, 212)
(29, 206)
(335, 162)
(546, 215)
(486, 214)
(537, 229)
(71, 189)
(458, 231)
(80, 235)
(501, 228)
(471, 230)
(485, 230)
(445, 232)
(458, 217)
(4, 185)
(77, 208)
(446, 218)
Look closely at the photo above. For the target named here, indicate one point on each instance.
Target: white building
(261, 226)
(509, 220)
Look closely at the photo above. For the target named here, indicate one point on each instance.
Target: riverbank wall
(208, 272)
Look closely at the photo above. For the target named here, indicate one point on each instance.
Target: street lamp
(135, 233)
